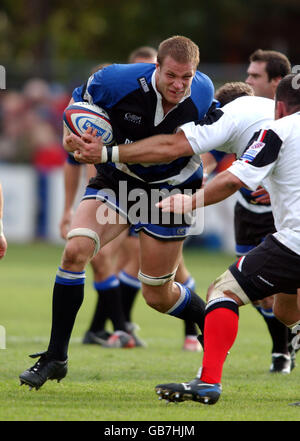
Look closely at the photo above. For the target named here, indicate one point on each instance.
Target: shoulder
(248, 110)
(202, 93)
(287, 127)
(202, 84)
(118, 80)
(251, 105)
(117, 75)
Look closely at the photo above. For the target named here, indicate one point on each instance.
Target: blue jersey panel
(127, 93)
(202, 93)
(112, 83)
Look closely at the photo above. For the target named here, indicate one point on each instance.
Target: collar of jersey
(159, 112)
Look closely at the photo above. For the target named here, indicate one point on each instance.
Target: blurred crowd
(31, 124)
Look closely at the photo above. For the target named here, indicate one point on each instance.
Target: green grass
(118, 385)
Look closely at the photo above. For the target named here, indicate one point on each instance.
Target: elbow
(233, 183)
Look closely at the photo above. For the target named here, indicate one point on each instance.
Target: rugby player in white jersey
(272, 268)
(253, 219)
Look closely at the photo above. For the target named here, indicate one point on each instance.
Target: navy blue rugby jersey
(128, 93)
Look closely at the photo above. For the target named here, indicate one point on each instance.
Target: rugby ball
(78, 117)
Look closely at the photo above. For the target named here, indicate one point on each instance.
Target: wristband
(115, 153)
(104, 155)
(1, 227)
(110, 154)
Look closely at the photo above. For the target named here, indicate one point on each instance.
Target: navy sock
(102, 309)
(189, 307)
(129, 286)
(190, 327)
(110, 299)
(68, 296)
(278, 331)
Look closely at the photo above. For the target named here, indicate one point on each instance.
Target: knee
(153, 298)
(77, 252)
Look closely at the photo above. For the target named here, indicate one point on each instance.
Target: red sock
(220, 330)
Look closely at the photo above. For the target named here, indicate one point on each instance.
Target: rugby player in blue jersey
(141, 100)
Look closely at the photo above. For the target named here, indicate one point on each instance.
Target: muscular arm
(156, 149)
(218, 189)
(160, 148)
(221, 187)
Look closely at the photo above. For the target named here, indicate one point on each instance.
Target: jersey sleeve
(94, 91)
(202, 93)
(213, 132)
(259, 158)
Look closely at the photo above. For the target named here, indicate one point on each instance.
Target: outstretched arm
(156, 149)
(218, 189)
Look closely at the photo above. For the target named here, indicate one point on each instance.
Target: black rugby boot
(44, 369)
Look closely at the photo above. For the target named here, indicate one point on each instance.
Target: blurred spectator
(47, 149)
(12, 127)
(31, 124)
(44, 103)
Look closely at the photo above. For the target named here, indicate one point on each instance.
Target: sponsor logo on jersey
(264, 280)
(252, 151)
(133, 118)
(144, 84)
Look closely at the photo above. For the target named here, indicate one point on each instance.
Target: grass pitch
(117, 384)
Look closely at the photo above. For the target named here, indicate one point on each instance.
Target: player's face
(173, 79)
(258, 79)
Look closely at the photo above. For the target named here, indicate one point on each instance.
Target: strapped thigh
(226, 282)
(156, 281)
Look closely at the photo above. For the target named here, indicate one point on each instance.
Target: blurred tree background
(60, 40)
(48, 47)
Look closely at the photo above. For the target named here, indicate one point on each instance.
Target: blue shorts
(135, 202)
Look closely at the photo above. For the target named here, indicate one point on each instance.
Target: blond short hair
(181, 49)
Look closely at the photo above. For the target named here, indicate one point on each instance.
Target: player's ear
(280, 109)
(275, 81)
